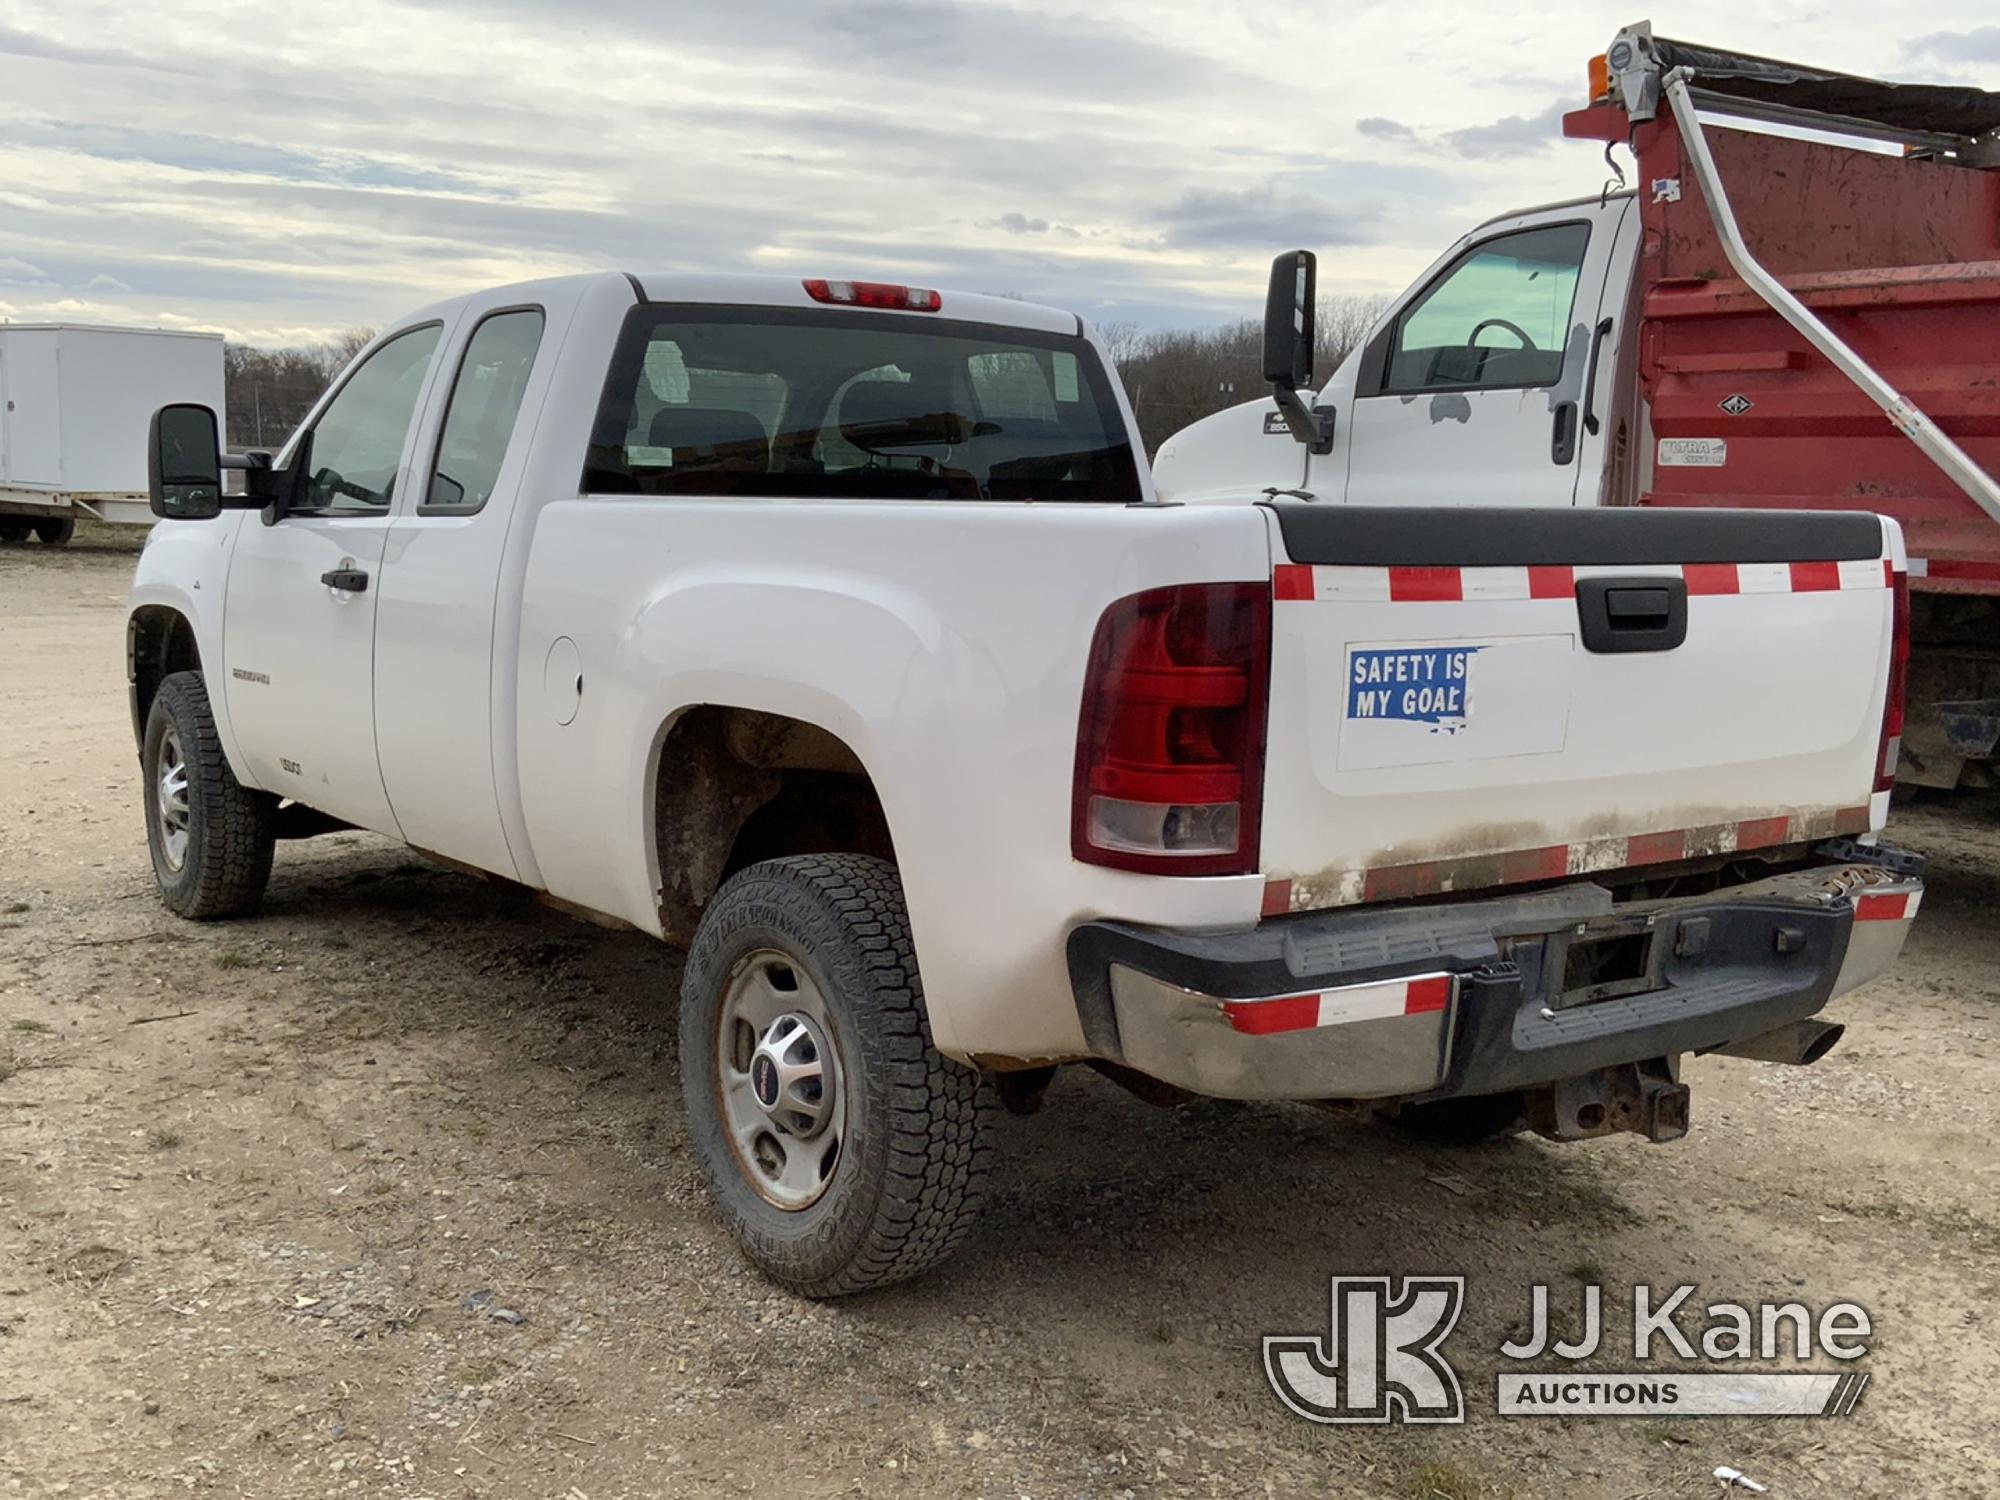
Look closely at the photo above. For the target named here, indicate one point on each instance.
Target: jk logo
(1379, 1360)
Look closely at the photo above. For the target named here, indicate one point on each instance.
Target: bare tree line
(1177, 376)
(1174, 376)
(267, 392)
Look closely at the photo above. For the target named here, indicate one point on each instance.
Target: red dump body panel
(1901, 258)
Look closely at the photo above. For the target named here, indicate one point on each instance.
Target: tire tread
(924, 1191)
(237, 828)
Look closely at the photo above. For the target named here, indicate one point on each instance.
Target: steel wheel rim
(778, 1076)
(171, 809)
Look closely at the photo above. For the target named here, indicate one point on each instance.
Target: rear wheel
(56, 531)
(15, 530)
(843, 1150)
(211, 837)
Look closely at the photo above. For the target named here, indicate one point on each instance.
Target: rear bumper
(1468, 998)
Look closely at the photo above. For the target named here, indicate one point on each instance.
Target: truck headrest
(876, 415)
(710, 434)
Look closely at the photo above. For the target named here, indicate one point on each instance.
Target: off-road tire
(231, 829)
(55, 531)
(915, 1157)
(1463, 1122)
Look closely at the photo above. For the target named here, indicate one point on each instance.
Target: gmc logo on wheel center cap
(764, 1080)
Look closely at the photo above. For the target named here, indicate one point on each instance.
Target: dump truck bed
(1899, 254)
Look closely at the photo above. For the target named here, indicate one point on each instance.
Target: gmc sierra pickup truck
(835, 630)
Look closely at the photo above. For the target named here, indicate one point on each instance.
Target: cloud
(437, 146)
(14, 272)
(1953, 48)
(1509, 136)
(1381, 128)
(1036, 53)
(222, 154)
(1247, 218)
(17, 43)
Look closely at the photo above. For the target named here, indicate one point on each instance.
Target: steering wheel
(336, 483)
(1472, 338)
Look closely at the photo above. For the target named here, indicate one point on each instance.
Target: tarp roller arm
(1908, 419)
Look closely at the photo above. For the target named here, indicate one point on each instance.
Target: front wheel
(211, 837)
(843, 1150)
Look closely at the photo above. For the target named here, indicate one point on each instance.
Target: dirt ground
(264, 1186)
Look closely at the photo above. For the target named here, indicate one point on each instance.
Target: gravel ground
(387, 1192)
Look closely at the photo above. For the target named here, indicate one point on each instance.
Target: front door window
(357, 442)
(1496, 319)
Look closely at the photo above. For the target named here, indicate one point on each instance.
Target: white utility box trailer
(75, 401)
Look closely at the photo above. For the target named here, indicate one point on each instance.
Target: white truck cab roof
(762, 289)
(765, 290)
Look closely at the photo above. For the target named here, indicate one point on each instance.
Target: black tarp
(1936, 108)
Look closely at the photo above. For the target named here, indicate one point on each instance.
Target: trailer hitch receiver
(1643, 1098)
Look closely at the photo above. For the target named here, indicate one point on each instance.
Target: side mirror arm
(1311, 425)
(262, 484)
(271, 490)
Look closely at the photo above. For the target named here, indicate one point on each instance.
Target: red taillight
(873, 294)
(1899, 681)
(1170, 745)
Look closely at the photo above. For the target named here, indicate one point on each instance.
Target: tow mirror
(1289, 308)
(1288, 320)
(184, 463)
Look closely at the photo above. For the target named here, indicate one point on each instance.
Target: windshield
(820, 402)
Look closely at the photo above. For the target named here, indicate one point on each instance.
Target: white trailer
(75, 401)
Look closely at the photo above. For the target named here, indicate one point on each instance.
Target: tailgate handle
(1632, 614)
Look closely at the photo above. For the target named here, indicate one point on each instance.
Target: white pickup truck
(834, 629)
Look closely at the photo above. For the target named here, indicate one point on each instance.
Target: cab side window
(1497, 318)
(485, 401)
(357, 443)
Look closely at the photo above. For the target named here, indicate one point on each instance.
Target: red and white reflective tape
(1358, 585)
(1942, 567)
(1887, 906)
(1336, 1007)
(1554, 861)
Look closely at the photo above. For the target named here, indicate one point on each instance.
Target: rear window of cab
(839, 403)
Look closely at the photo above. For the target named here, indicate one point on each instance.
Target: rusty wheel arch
(734, 786)
(159, 641)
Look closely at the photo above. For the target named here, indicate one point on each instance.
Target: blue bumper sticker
(1423, 685)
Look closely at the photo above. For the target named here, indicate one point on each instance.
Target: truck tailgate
(1472, 698)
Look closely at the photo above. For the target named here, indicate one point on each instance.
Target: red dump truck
(1794, 304)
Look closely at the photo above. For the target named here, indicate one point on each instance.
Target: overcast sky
(284, 171)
